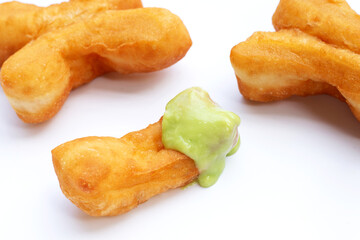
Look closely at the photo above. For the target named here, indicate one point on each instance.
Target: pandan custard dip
(197, 127)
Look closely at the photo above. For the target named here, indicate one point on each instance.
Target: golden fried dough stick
(333, 21)
(107, 176)
(39, 77)
(275, 65)
(21, 23)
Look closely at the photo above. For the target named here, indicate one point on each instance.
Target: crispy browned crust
(107, 176)
(333, 21)
(21, 23)
(39, 77)
(314, 52)
(276, 65)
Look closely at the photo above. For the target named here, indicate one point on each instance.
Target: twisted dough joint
(38, 78)
(315, 51)
(21, 23)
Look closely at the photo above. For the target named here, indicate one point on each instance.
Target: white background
(296, 175)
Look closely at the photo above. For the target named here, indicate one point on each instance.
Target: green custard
(197, 127)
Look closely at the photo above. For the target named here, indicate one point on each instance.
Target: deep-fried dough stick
(109, 176)
(20, 23)
(333, 21)
(274, 66)
(38, 78)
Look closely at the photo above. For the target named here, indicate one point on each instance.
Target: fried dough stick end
(107, 176)
(333, 21)
(276, 65)
(38, 78)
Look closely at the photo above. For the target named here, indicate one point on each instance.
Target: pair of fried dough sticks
(63, 46)
(314, 51)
